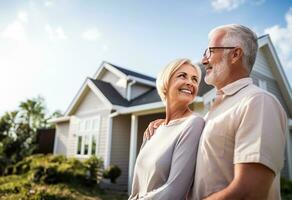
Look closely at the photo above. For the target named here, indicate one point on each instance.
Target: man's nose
(205, 61)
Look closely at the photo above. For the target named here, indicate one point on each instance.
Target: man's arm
(251, 181)
(151, 127)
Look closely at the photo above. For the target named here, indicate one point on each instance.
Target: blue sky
(49, 47)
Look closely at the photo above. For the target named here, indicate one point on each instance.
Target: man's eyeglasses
(209, 51)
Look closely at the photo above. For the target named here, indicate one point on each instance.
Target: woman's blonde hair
(164, 76)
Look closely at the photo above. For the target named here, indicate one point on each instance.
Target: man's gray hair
(243, 37)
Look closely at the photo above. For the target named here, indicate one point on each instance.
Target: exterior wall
(120, 147)
(91, 106)
(102, 137)
(138, 89)
(90, 103)
(261, 64)
(272, 87)
(61, 138)
(285, 170)
(120, 84)
(72, 137)
(289, 152)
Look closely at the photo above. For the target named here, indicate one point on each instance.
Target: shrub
(57, 159)
(51, 169)
(112, 173)
(286, 186)
(21, 167)
(94, 166)
(9, 170)
(38, 173)
(51, 175)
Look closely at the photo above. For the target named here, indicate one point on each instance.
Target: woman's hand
(151, 128)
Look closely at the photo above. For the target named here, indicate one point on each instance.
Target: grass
(60, 179)
(16, 187)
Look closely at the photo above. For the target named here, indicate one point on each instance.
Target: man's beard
(218, 72)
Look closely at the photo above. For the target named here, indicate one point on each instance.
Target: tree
(33, 113)
(18, 130)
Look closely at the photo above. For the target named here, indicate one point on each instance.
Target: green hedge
(51, 169)
(286, 188)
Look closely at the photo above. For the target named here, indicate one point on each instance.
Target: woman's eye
(182, 75)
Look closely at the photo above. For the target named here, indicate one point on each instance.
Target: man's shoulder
(253, 91)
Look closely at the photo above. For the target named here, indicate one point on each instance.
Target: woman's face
(183, 85)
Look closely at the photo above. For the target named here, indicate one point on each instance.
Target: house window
(263, 84)
(87, 136)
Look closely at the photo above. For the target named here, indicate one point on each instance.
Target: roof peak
(131, 72)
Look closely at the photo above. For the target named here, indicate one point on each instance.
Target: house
(110, 112)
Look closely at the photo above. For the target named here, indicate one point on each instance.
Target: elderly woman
(166, 162)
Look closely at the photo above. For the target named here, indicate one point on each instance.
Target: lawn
(50, 177)
(16, 187)
(40, 177)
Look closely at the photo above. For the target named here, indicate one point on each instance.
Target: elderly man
(241, 150)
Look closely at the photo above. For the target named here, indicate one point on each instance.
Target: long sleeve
(182, 165)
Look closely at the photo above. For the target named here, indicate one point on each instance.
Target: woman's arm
(182, 165)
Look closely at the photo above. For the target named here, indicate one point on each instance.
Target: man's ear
(237, 54)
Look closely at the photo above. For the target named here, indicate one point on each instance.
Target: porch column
(289, 148)
(109, 142)
(133, 149)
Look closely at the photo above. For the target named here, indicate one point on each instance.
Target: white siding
(101, 147)
(120, 146)
(62, 132)
(261, 64)
(89, 103)
(101, 136)
(138, 89)
(120, 84)
(271, 86)
(72, 139)
(91, 106)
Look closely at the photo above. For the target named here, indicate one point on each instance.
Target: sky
(49, 47)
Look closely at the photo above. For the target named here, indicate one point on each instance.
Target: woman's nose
(190, 81)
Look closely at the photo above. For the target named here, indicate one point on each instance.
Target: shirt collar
(235, 86)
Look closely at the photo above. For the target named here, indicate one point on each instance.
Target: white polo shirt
(248, 126)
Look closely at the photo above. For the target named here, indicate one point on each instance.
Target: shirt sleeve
(260, 137)
(182, 165)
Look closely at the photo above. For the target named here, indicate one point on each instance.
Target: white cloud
(257, 2)
(49, 3)
(56, 34)
(16, 30)
(91, 34)
(282, 39)
(228, 5)
(105, 48)
(22, 16)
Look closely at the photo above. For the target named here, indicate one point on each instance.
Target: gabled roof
(278, 71)
(133, 73)
(114, 100)
(124, 73)
(149, 97)
(110, 93)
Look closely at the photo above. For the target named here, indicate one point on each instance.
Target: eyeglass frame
(211, 48)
